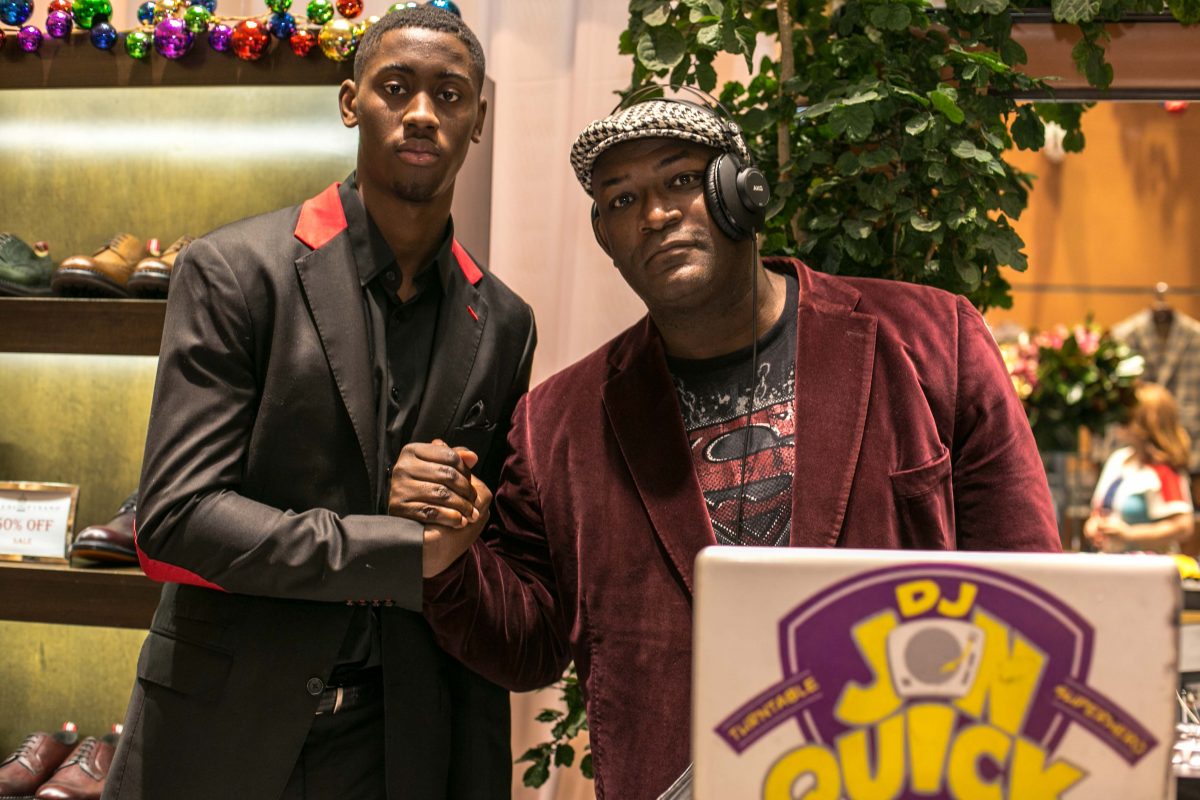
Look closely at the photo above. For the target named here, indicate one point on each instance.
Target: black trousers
(342, 757)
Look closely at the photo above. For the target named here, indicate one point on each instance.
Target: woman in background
(1143, 500)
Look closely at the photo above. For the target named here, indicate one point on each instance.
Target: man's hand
(444, 545)
(432, 483)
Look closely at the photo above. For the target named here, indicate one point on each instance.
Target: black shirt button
(391, 276)
(395, 393)
(315, 686)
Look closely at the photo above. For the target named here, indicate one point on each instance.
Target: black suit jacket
(260, 510)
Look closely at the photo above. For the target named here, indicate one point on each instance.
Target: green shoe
(24, 271)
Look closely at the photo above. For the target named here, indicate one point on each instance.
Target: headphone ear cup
(718, 178)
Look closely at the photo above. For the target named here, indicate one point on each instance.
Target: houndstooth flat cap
(654, 119)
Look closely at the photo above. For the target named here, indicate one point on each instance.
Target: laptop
(826, 674)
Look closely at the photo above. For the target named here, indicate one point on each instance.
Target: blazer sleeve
(194, 524)
(497, 609)
(1001, 499)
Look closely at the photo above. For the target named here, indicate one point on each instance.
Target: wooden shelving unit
(92, 327)
(54, 593)
(75, 64)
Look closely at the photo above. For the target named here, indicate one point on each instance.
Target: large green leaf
(890, 16)
(918, 124)
(981, 6)
(855, 122)
(657, 15)
(661, 48)
(945, 100)
(1074, 11)
(1186, 11)
(709, 37)
(1028, 131)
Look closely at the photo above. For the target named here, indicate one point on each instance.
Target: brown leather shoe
(105, 273)
(152, 275)
(35, 760)
(112, 542)
(82, 775)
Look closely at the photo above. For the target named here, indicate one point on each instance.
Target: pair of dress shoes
(124, 267)
(59, 766)
(112, 542)
(24, 270)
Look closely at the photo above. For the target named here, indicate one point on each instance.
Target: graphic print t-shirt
(714, 398)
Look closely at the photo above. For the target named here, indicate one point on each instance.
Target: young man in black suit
(303, 349)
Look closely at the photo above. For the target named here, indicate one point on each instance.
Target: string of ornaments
(171, 27)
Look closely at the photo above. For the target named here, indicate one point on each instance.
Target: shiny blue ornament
(211, 5)
(447, 5)
(104, 36)
(15, 12)
(145, 13)
(282, 25)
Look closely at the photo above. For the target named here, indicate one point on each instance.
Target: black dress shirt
(400, 373)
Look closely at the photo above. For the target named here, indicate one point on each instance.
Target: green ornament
(279, 6)
(197, 18)
(320, 11)
(100, 8)
(137, 44)
(396, 7)
(83, 13)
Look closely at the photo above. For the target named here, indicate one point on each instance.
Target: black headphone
(735, 195)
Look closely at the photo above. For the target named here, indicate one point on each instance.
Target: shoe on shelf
(82, 775)
(24, 271)
(105, 273)
(22, 772)
(152, 275)
(112, 542)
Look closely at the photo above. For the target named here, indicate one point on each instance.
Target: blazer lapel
(835, 353)
(334, 294)
(643, 410)
(462, 321)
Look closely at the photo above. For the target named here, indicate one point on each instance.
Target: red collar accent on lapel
(466, 264)
(321, 218)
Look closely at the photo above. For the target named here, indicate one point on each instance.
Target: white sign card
(36, 520)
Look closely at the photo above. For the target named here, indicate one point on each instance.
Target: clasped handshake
(432, 483)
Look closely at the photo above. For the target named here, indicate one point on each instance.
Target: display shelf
(73, 325)
(75, 64)
(55, 593)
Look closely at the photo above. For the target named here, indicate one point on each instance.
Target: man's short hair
(655, 119)
(431, 18)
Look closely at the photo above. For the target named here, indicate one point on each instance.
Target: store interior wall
(1124, 213)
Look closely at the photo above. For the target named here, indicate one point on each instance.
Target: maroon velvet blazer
(908, 435)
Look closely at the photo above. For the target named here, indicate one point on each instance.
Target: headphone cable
(753, 380)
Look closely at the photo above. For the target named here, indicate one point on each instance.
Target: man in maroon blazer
(882, 417)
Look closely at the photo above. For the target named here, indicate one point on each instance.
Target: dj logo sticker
(932, 680)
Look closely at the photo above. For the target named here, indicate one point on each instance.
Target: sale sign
(36, 520)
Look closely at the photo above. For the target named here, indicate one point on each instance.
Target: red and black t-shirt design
(714, 400)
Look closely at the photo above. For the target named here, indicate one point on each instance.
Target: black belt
(336, 699)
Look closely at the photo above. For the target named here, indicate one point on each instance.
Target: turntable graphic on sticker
(932, 681)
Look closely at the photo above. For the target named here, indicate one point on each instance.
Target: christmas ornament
(349, 8)
(15, 12)
(219, 37)
(172, 39)
(59, 24)
(320, 11)
(282, 25)
(59, 5)
(84, 11)
(145, 12)
(30, 39)
(337, 40)
(211, 5)
(361, 28)
(302, 42)
(279, 6)
(104, 36)
(401, 6)
(137, 44)
(250, 40)
(1175, 106)
(197, 18)
(169, 8)
(446, 5)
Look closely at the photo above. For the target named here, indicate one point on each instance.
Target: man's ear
(599, 232)
(477, 134)
(348, 103)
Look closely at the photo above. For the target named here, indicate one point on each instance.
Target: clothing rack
(1159, 290)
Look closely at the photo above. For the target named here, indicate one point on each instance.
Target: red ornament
(349, 8)
(302, 42)
(1175, 106)
(250, 39)
(59, 5)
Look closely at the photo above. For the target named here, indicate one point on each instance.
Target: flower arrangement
(1072, 378)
